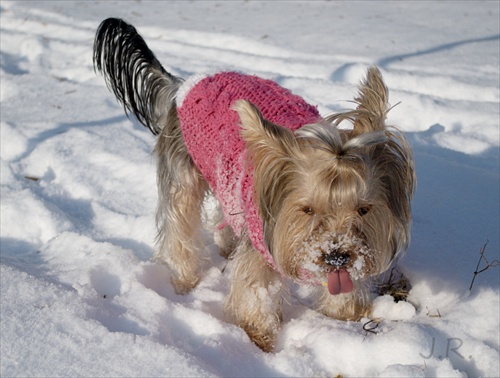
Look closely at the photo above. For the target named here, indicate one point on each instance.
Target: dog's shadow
(453, 212)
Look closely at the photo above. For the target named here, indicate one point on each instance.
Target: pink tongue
(339, 281)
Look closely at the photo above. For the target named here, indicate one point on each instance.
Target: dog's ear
(272, 152)
(394, 157)
(262, 137)
(372, 104)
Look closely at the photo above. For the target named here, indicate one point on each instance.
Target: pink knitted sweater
(211, 132)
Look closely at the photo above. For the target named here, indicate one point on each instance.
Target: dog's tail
(133, 73)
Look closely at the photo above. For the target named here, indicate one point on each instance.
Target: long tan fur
(331, 200)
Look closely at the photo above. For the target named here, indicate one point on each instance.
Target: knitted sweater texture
(211, 133)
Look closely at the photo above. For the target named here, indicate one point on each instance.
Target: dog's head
(335, 204)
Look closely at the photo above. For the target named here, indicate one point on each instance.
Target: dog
(302, 198)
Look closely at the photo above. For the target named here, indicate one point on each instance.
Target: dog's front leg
(256, 296)
(351, 306)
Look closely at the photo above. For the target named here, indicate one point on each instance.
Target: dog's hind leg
(224, 236)
(148, 91)
(181, 191)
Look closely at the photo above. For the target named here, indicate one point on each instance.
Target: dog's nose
(337, 259)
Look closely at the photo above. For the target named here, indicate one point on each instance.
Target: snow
(79, 293)
(385, 307)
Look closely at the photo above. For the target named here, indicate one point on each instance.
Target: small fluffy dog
(300, 198)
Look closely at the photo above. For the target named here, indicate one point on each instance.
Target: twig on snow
(492, 264)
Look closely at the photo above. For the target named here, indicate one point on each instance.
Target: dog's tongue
(339, 281)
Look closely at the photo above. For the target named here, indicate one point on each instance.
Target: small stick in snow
(438, 315)
(373, 327)
(493, 264)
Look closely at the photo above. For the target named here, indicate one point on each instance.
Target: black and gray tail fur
(147, 90)
(133, 73)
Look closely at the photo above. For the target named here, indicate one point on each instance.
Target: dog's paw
(183, 287)
(264, 340)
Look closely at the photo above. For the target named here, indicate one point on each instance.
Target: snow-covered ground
(79, 294)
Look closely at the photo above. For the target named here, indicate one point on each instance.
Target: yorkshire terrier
(300, 198)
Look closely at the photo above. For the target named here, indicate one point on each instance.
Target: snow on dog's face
(335, 204)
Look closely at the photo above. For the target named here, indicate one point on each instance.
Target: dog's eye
(364, 210)
(308, 210)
